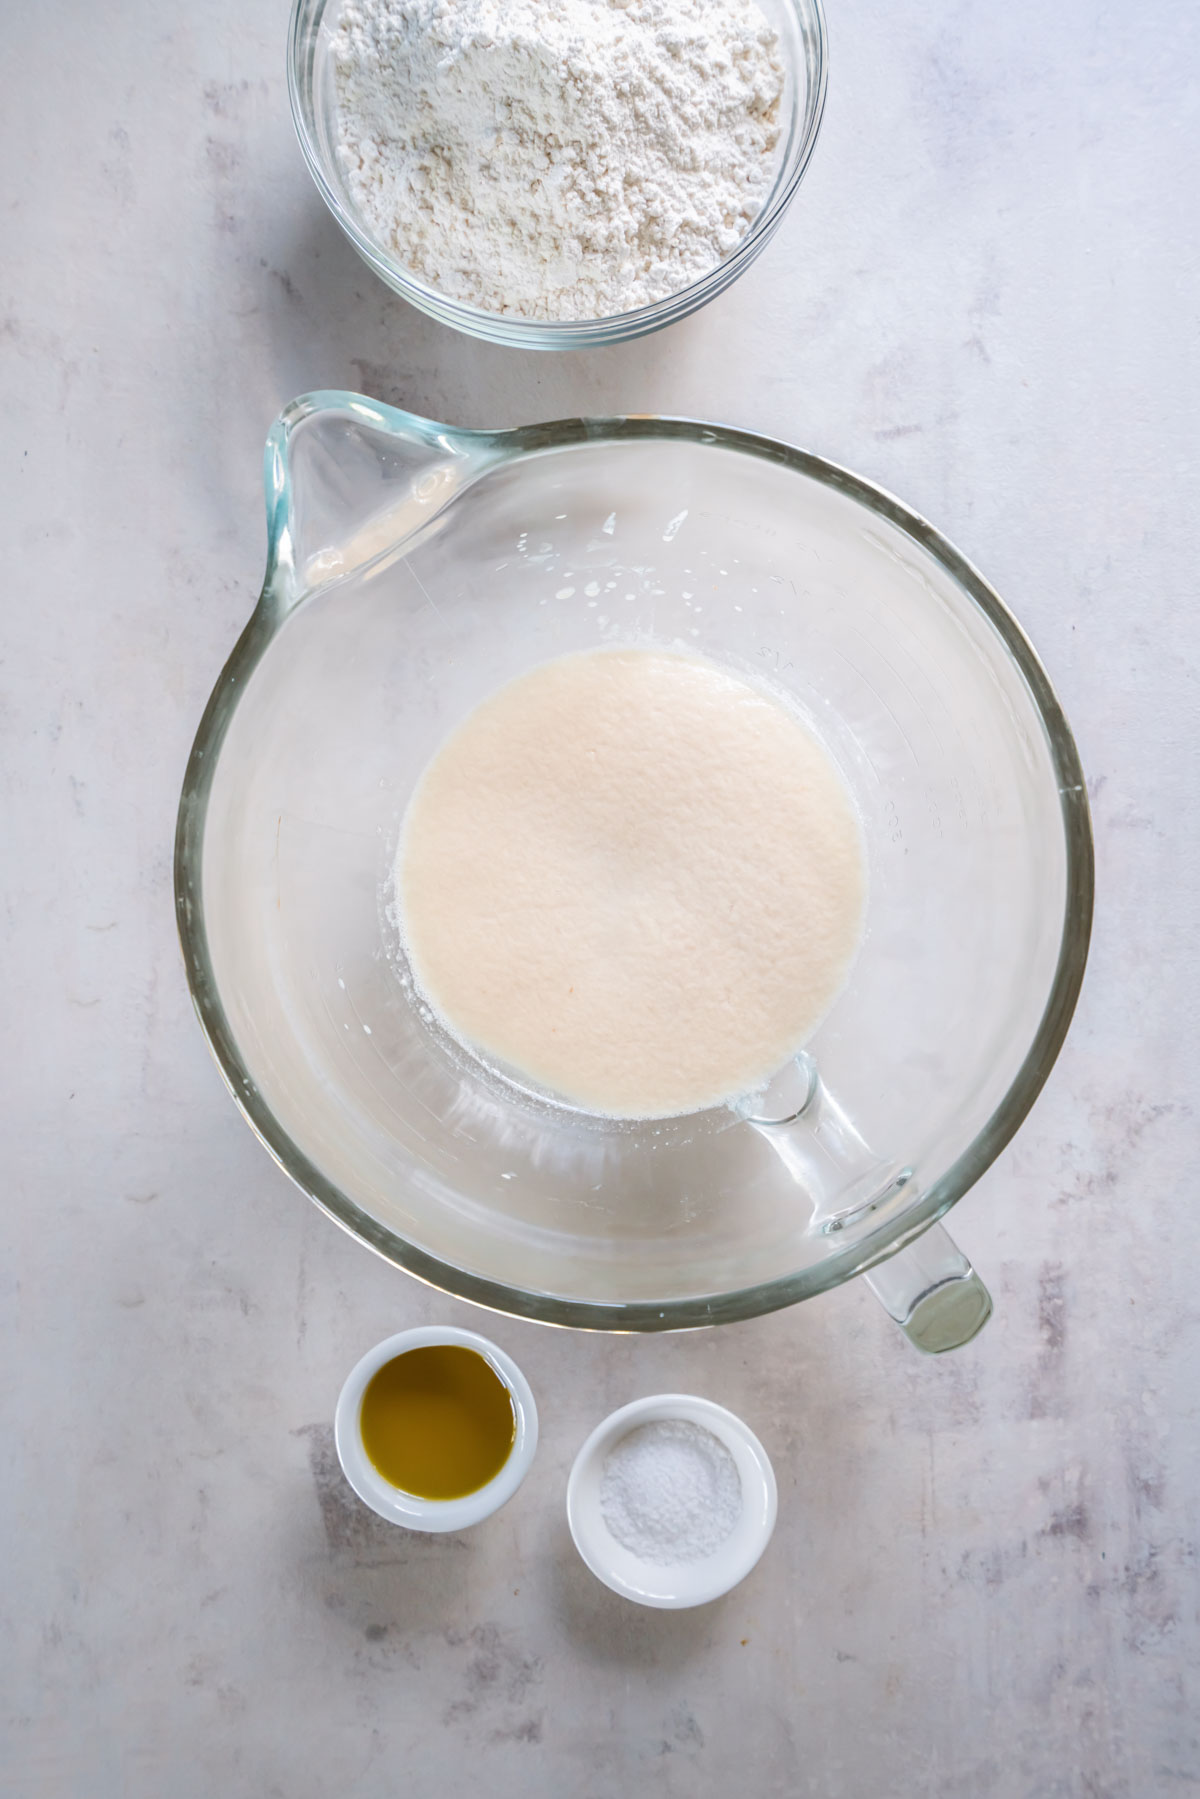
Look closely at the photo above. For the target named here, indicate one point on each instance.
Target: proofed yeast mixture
(634, 878)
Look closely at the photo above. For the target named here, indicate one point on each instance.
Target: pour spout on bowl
(350, 481)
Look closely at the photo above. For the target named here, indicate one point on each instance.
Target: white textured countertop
(984, 1579)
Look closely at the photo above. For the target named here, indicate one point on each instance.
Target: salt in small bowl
(683, 1583)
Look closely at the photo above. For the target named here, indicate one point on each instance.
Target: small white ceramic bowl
(684, 1583)
(392, 1503)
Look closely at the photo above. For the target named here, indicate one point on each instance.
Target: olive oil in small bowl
(436, 1428)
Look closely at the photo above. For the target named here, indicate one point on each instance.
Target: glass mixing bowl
(801, 28)
(412, 570)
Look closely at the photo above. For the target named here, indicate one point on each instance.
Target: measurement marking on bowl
(410, 570)
(775, 658)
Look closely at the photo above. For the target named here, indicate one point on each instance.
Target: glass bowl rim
(692, 1311)
(565, 334)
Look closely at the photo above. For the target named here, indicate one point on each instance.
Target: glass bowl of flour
(554, 174)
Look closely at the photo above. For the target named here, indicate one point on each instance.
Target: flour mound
(557, 159)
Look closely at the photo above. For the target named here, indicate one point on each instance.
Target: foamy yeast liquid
(633, 877)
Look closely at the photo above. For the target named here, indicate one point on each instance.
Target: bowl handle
(932, 1292)
(929, 1287)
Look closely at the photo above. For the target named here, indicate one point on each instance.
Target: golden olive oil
(438, 1422)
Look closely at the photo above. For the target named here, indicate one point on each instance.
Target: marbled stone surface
(984, 1579)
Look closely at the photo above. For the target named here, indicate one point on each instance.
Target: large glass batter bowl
(412, 570)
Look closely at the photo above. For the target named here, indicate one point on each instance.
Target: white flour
(557, 159)
(670, 1492)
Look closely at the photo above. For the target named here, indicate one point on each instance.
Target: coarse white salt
(670, 1492)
